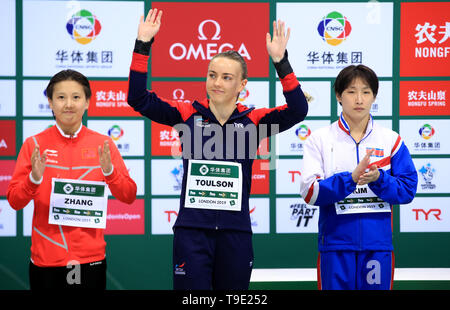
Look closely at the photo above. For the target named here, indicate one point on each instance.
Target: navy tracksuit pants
(206, 259)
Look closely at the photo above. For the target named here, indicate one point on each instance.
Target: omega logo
(179, 51)
(178, 94)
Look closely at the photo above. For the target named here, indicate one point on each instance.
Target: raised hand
(276, 45)
(149, 27)
(104, 156)
(38, 163)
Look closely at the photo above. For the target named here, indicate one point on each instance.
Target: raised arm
(296, 107)
(139, 98)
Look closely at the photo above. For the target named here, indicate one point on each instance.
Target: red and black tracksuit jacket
(198, 113)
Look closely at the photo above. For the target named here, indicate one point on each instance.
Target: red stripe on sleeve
(289, 82)
(396, 144)
(310, 193)
(381, 163)
(256, 115)
(139, 63)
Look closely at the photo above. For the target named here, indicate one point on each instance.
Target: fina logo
(179, 51)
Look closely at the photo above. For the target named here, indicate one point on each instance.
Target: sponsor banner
(6, 172)
(164, 215)
(82, 35)
(185, 92)
(7, 137)
(293, 215)
(8, 35)
(109, 98)
(208, 30)
(426, 136)
(424, 39)
(128, 135)
(28, 218)
(260, 177)
(35, 102)
(165, 141)
(8, 223)
(382, 106)
(291, 141)
(31, 127)
(430, 214)
(432, 175)
(167, 176)
(136, 170)
(386, 123)
(8, 98)
(317, 94)
(125, 219)
(288, 176)
(259, 209)
(255, 95)
(339, 35)
(424, 97)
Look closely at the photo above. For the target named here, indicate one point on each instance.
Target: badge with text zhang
(78, 203)
(192, 33)
(214, 185)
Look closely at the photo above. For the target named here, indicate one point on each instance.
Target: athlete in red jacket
(71, 151)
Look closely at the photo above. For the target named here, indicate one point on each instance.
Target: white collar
(69, 136)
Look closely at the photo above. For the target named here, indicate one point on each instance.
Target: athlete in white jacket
(355, 170)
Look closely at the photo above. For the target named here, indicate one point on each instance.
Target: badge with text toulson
(214, 185)
(78, 203)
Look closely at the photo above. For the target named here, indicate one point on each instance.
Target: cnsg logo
(115, 132)
(334, 28)
(208, 47)
(426, 131)
(83, 27)
(303, 132)
(243, 95)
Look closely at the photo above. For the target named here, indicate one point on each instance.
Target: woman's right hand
(149, 27)
(361, 168)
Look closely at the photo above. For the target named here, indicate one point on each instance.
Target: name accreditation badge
(362, 200)
(78, 203)
(214, 185)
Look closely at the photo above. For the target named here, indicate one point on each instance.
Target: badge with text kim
(78, 203)
(214, 185)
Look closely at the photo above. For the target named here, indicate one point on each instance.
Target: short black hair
(68, 75)
(350, 73)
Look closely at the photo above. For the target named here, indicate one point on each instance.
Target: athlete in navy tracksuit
(213, 247)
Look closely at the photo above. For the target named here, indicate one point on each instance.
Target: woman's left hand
(276, 46)
(372, 175)
(104, 156)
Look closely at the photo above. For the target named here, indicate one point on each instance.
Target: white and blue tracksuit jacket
(330, 155)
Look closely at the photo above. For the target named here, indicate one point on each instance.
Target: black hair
(237, 57)
(350, 73)
(69, 75)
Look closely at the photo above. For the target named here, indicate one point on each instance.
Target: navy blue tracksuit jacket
(197, 116)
